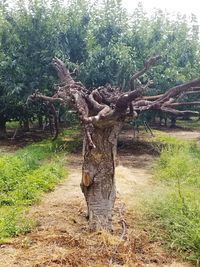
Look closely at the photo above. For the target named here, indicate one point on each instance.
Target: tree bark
(2, 129)
(101, 112)
(40, 122)
(173, 122)
(98, 177)
(26, 127)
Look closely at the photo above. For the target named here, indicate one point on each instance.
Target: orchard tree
(175, 38)
(109, 57)
(30, 37)
(102, 112)
(99, 39)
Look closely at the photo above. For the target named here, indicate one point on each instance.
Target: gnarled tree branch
(106, 105)
(150, 62)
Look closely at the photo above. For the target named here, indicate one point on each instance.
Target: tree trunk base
(98, 181)
(3, 134)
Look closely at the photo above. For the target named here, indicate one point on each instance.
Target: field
(156, 216)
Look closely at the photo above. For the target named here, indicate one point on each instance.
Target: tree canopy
(102, 43)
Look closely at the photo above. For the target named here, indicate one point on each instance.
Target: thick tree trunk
(2, 129)
(98, 177)
(173, 122)
(99, 110)
(40, 122)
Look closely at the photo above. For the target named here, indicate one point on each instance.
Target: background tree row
(100, 40)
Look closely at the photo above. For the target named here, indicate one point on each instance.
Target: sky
(172, 6)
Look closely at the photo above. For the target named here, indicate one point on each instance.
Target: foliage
(170, 141)
(23, 178)
(177, 210)
(29, 39)
(173, 38)
(101, 41)
(110, 58)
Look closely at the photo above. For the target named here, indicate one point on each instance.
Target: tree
(109, 57)
(30, 37)
(99, 39)
(176, 39)
(102, 112)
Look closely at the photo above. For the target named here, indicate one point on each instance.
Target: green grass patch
(168, 140)
(176, 210)
(12, 124)
(70, 141)
(24, 177)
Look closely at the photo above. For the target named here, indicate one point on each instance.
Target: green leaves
(102, 41)
(178, 209)
(29, 40)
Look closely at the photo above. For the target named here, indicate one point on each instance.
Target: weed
(24, 176)
(69, 141)
(177, 209)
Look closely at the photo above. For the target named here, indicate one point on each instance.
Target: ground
(62, 238)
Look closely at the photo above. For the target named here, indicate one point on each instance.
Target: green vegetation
(169, 141)
(69, 141)
(12, 124)
(103, 42)
(24, 176)
(189, 124)
(177, 210)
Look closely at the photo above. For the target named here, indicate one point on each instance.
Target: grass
(167, 140)
(12, 124)
(69, 141)
(24, 176)
(189, 124)
(176, 212)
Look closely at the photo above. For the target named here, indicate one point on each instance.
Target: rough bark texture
(40, 122)
(98, 177)
(26, 126)
(101, 112)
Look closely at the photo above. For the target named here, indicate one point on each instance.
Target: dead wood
(101, 112)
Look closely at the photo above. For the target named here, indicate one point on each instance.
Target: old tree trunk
(98, 177)
(2, 128)
(102, 111)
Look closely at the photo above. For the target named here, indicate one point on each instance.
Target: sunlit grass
(177, 210)
(24, 176)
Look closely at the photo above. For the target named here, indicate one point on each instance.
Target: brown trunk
(98, 177)
(173, 122)
(2, 129)
(26, 127)
(40, 122)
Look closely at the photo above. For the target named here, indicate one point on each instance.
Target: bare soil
(62, 237)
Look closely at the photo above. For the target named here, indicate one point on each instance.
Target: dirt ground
(62, 238)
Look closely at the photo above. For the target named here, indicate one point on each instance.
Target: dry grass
(62, 237)
(55, 246)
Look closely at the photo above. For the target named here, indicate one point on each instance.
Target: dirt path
(62, 238)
